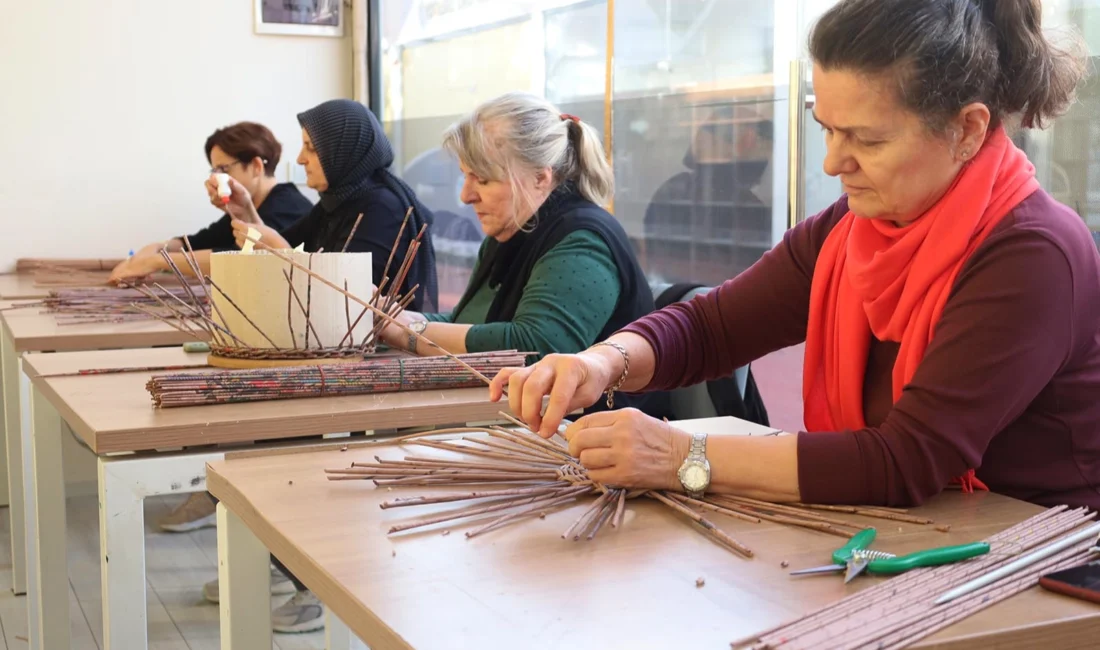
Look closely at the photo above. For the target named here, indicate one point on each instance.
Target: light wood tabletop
(114, 412)
(33, 331)
(21, 286)
(635, 587)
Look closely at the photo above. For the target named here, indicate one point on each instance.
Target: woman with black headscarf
(347, 157)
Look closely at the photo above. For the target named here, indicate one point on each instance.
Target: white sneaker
(302, 613)
(198, 511)
(280, 586)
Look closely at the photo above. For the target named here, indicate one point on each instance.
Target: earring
(966, 154)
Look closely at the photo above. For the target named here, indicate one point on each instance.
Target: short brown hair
(246, 141)
(949, 53)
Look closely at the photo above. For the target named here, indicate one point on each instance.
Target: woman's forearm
(450, 336)
(642, 360)
(202, 258)
(764, 468)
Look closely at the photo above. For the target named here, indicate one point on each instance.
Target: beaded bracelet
(622, 378)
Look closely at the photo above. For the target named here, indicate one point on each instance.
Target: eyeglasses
(224, 169)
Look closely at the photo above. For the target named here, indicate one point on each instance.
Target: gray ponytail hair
(520, 132)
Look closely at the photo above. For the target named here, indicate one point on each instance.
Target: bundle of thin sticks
(109, 305)
(381, 375)
(387, 301)
(28, 264)
(536, 475)
(899, 612)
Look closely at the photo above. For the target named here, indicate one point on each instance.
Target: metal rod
(1013, 567)
(796, 145)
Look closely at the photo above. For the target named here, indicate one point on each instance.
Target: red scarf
(875, 277)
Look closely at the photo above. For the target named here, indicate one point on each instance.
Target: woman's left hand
(629, 449)
(395, 337)
(135, 269)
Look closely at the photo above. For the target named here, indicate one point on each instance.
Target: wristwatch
(418, 327)
(694, 474)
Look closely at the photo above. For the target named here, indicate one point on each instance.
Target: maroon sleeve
(761, 310)
(1005, 332)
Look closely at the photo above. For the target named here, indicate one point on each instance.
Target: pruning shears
(854, 557)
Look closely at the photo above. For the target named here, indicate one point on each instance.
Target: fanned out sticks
(899, 612)
(523, 475)
(79, 306)
(381, 375)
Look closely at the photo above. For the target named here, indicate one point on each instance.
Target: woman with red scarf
(950, 307)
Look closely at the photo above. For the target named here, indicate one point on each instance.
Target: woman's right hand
(268, 235)
(240, 205)
(573, 381)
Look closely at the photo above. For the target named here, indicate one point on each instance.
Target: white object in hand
(248, 243)
(223, 187)
(1013, 567)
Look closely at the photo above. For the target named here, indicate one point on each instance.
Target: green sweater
(568, 299)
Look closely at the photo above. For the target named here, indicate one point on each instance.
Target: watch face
(694, 477)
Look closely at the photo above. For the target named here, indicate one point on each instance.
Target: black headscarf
(355, 154)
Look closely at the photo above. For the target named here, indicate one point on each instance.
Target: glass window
(698, 99)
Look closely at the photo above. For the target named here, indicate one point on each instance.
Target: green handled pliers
(854, 557)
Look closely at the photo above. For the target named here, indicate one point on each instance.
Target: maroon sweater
(1009, 385)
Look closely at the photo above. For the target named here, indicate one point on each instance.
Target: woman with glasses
(250, 154)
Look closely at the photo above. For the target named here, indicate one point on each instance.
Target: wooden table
(524, 586)
(113, 414)
(29, 330)
(21, 286)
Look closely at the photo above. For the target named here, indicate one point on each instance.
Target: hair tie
(567, 116)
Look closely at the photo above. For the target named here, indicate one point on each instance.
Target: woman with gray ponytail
(556, 272)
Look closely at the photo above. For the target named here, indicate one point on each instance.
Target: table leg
(338, 636)
(124, 484)
(244, 582)
(48, 589)
(4, 495)
(122, 561)
(16, 392)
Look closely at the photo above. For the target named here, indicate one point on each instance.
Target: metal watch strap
(415, 330)
(698, 453)
(698, 447)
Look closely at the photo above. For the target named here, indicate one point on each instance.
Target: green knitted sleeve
(572, 292)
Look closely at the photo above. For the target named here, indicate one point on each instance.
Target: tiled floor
(177, 565)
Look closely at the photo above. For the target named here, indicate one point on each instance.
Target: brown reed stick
(620, 510)
(309, 299)
(781, 509)
(351, 235)
(469, 496)
(536, 507)
(483, 454)
(605, 513)
(305, 312)
(706, 505)
(244, 315)
(480, 510)
(581, 522)
(712, 530)
(780, 519)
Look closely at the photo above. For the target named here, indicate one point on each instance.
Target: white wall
(105, 106)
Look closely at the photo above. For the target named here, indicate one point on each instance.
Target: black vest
(507, 267)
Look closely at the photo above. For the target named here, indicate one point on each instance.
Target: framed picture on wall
(300, 17)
